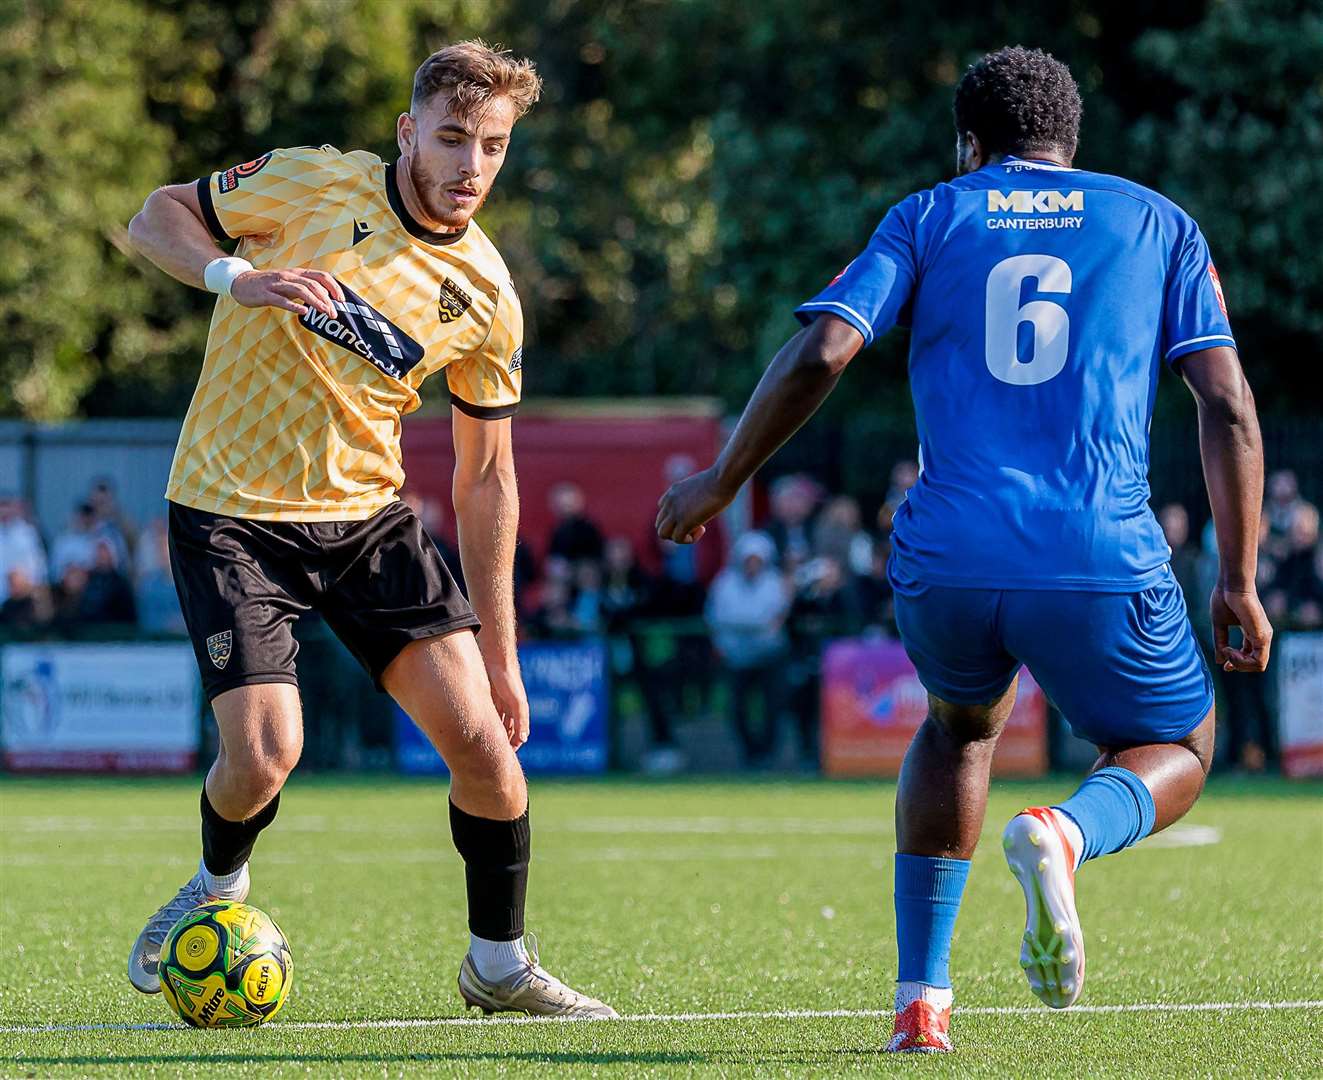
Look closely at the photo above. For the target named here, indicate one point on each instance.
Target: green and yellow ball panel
(226, 964)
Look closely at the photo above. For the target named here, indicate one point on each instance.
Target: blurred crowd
(1290, 584)
(693, 636)
(690, 635)
(99, 571)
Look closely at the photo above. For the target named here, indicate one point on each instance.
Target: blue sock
(1113, 809)
(927, 895)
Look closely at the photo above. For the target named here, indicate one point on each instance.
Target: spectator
(552, 617)
(626, 586)
(1175, 522)
(1293, 597)
(824, 608)
(1280, 508)
(685, 569)
(839, 536)
(574, 536)
(586, 602)
(108, 596)
(876, 600)
(68, 597)
(20, 545)
(1310, 614)
(112, 524)
(1247, 719)
(27, 604)
(76, 546)
(793, 498)
(154, 586)
(627, 594)
(746, 612)
(676, 670)
(904, 475)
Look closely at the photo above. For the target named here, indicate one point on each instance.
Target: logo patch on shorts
(218, 648)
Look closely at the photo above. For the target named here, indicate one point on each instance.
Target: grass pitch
(728, 922)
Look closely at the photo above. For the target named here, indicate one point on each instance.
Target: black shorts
(378, 583)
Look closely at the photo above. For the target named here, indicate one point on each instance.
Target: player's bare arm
(171, 232)
(1232, 452)
(486, 498)
(795, 384)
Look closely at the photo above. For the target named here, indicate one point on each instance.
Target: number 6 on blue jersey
(1005, 313)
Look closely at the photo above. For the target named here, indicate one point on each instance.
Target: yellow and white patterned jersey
(297, 418)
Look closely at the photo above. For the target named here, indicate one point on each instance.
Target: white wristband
(220, 273)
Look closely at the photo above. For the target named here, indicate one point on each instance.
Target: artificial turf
(672, 901)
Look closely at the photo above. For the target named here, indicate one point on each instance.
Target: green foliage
(695, 168)
(78, 152)
(1246, 143)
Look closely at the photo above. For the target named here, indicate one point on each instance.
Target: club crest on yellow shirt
(453, 302)
(218, 648)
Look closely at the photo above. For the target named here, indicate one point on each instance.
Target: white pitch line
(692, 1017)
(442, 856)
(1178, 835)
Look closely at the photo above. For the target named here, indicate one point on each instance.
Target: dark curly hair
(1018, 99)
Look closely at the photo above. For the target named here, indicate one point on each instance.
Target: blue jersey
(1042, 301)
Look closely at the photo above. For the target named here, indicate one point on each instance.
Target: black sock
(496, 868)
(226, 845)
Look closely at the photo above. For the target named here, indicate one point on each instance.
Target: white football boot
(146, 951)
(1052, 952)
(531, 991)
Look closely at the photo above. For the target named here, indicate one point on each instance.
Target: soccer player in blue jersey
(1042, 301)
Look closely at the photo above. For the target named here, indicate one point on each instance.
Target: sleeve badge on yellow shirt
(453, 302)
(229, 179)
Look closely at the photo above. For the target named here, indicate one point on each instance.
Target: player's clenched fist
(293, 290)
(689, 505)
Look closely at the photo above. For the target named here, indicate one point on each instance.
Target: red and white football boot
(1043, 861)
(921, 1029)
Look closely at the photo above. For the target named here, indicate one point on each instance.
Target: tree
(694, 171)
(78, 150)
(1244, 145)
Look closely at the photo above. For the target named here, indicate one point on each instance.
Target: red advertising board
(873, 703)
(622, 456)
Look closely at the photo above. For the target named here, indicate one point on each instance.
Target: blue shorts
(1123, 668)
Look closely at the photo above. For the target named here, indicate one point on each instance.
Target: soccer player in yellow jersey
(353, 281)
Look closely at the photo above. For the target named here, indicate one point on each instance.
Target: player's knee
(262, 767)
(473, 750)
(488, 766)
(967, 725)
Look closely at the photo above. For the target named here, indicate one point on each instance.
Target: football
(226, 964)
